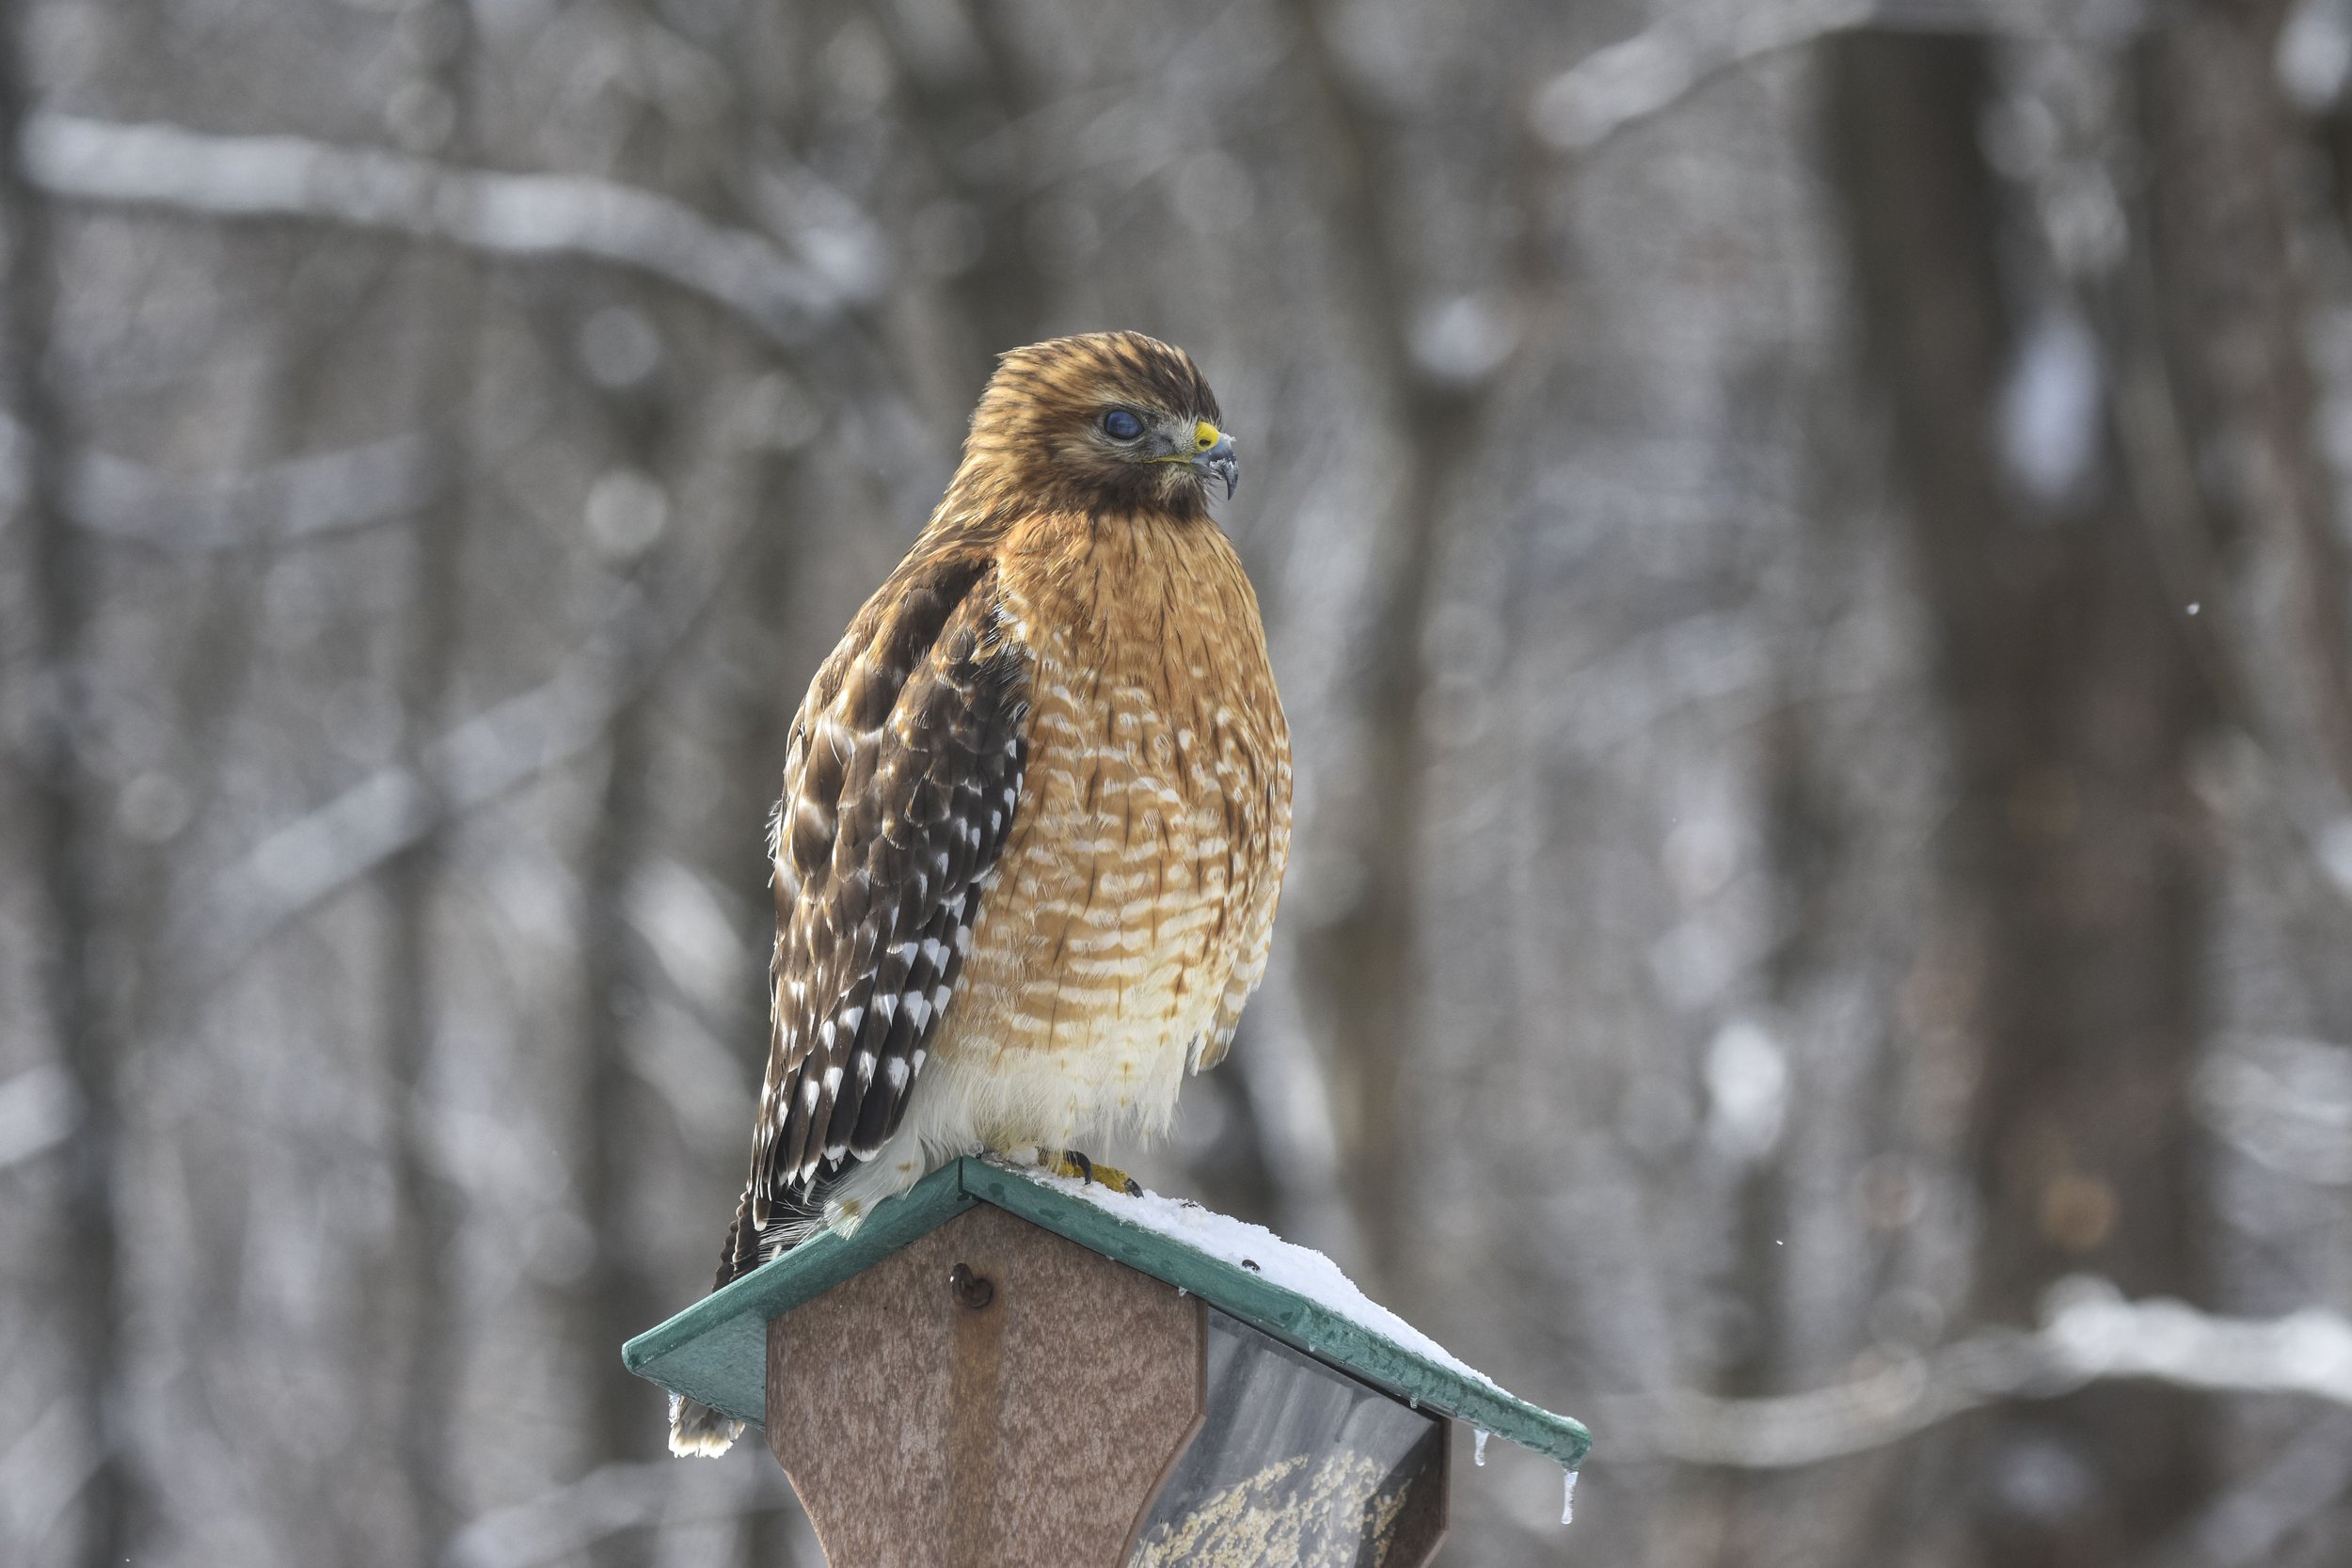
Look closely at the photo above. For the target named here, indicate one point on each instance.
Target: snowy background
(1807, 544)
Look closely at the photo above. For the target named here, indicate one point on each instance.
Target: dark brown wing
(901, 782)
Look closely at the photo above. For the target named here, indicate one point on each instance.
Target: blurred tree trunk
(971, 114)
(417, 1287)
(67, 832)
(2073, 697)
(1362, 962)
(624, 1415)
(419, 1290)
(2230, 307)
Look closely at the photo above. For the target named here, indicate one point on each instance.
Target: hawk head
(1105, 421)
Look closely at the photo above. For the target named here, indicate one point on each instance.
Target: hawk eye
(1119, 425)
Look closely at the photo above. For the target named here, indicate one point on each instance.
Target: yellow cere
(1204, 436)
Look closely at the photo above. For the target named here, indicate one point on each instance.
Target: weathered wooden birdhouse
(1003, 1367)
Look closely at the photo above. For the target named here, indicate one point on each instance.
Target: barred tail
(696, 1429)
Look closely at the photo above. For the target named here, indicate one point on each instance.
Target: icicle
(1478, 1449)
(1567, 1497)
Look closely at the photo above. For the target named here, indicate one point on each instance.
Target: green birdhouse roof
(715, 1350)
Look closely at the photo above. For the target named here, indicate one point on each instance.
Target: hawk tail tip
(698, 1431)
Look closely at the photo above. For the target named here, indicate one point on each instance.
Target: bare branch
(176, 169)
(44, 1469)
(297, 498)
(2250, 1520)
(2090, 1333)
(609, 1500)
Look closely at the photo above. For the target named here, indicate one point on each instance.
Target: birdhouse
(1003, 1367)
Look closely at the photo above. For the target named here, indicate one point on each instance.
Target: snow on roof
(1259, 1251)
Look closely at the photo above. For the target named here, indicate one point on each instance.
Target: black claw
(1071, 1159)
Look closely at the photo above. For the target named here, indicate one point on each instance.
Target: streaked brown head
(1106, 421)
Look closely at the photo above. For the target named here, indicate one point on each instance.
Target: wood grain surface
(920, 1426)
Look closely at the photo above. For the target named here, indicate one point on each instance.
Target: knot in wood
(971, 1290)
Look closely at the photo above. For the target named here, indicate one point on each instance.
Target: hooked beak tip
(1222, 462)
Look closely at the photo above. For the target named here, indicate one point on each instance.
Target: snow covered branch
(2089, 1332)
(177, 169)
(1660, 65)
(1632, 80)
(2284, 1102)
(297, 497)
(40, 1108)
(467, 767)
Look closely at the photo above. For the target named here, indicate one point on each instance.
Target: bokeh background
(1806, 545)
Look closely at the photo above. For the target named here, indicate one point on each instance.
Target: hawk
(1035, 815)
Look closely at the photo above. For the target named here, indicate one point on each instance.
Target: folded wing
(902, 776)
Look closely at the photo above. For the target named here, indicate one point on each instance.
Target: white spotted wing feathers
(901, 782)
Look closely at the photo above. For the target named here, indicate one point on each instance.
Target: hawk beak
(1219, 461)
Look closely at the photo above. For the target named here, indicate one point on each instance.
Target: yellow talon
(1077, 1167)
